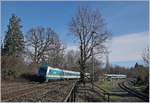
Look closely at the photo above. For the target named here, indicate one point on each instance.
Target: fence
(72, 94)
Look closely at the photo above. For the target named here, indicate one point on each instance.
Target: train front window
(42, 71)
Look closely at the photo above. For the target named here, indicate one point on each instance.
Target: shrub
(12, 67)
(8, 74)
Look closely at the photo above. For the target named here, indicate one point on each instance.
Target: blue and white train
(50, 73)
(115, 76)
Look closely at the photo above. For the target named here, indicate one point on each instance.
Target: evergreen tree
(14, 40)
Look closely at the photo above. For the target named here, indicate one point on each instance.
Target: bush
(12, 67)
(8, 74)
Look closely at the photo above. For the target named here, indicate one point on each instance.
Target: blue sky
(122, 19)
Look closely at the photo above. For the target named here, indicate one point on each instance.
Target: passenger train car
(50, 73)
(115, 76)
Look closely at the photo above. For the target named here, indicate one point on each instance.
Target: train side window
(55, 72)
(62, 73)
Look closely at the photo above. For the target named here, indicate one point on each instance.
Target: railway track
(124, 86)
(9, 85)
(21, 92)
(18, 86)
(53, 95)
(38, 92)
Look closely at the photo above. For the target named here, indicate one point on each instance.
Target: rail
(134, 92)
(72, 94)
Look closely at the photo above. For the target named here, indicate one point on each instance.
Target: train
(115, 76)
(49, 73)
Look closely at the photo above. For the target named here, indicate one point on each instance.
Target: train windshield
(42, 71)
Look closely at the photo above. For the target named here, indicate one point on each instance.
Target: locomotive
(49, 73)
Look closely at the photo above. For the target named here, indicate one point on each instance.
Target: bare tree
(40, 42)
(55, 56)
(88, 26)
(71, 59)
(145, 56)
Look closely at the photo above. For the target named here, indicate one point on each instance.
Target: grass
(141, 88)
(107, 85)
(114, 98)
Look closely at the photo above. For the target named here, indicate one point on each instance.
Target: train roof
(62, 69)
(54, 68)
(46, 66)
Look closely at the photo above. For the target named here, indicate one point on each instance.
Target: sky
(126, 20)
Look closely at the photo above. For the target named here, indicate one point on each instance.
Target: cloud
(124, 49)
(71, 47)
(128, 47)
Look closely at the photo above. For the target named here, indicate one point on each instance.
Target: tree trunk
(82, 73)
